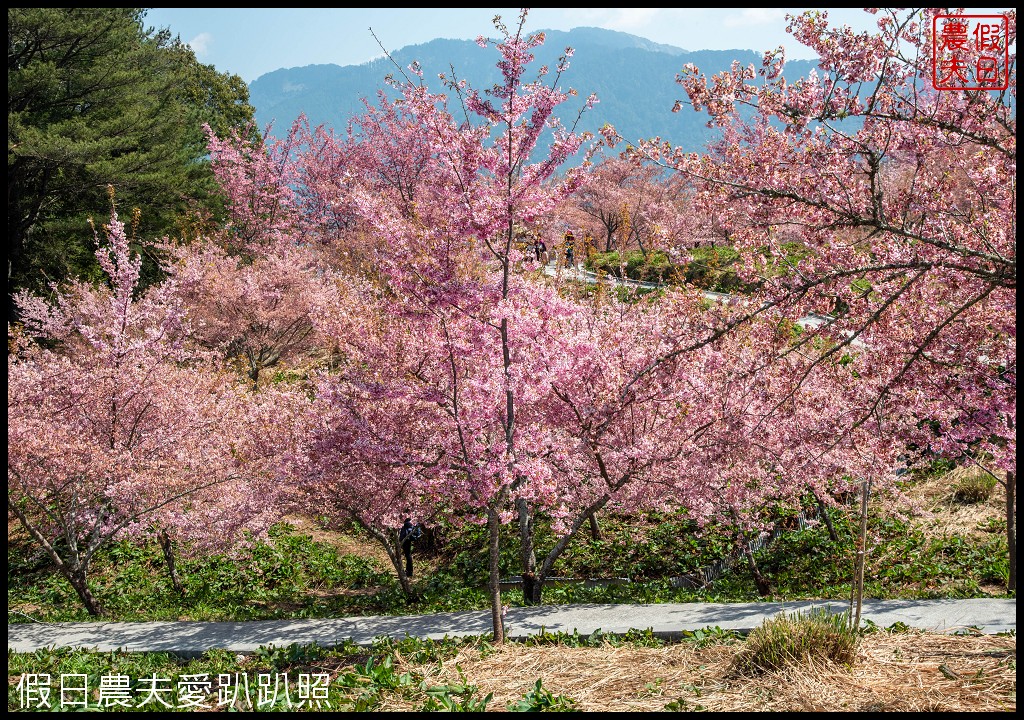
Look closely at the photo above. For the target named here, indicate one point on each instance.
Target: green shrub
(787, 640)
(655, 266)
(605, 262)
(710, 268)
(973, 488)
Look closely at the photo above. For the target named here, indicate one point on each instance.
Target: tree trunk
(398, 560)
(823, 512)
(595, 529)
(531, 583)
(75, 569)
(394, 550)
(168, 548)
(1011, 530)
(78, 577)
(763, 586)
(403, 579)
(494, 579)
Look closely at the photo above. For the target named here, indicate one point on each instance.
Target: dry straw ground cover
(899, 672)
(938, 513)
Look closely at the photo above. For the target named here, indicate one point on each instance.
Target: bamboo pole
(865, 492)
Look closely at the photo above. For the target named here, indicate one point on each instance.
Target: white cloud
(622, 19)
(627, 19)
(755, 16)
(201, 43)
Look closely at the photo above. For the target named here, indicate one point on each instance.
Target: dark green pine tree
(97, 100)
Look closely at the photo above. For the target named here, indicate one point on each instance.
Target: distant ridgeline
(634, 79)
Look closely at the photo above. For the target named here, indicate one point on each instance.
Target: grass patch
(973, 487)
(796, 638)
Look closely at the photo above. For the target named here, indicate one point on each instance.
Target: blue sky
(250, 42)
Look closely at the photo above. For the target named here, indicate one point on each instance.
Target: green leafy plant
(454, 697)
(703, 637)
(993, 525)
(540, 699)
(280, 658)
(367, 683)
(681, 704)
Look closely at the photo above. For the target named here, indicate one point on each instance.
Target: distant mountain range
(634, 79)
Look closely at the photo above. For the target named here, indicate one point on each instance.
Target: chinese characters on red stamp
(970, 52)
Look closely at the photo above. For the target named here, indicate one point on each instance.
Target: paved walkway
(989, 615)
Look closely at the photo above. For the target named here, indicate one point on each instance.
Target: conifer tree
(96, 99)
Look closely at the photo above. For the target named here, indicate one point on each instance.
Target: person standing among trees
(570, 252)
(406, 535)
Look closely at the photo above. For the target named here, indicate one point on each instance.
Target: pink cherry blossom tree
(253, 310)
(626, 204)
(498, 188)
(902, 200)
(448, 280)
(626, 421)
(374, 445)
(117, 425)
(258, 176)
